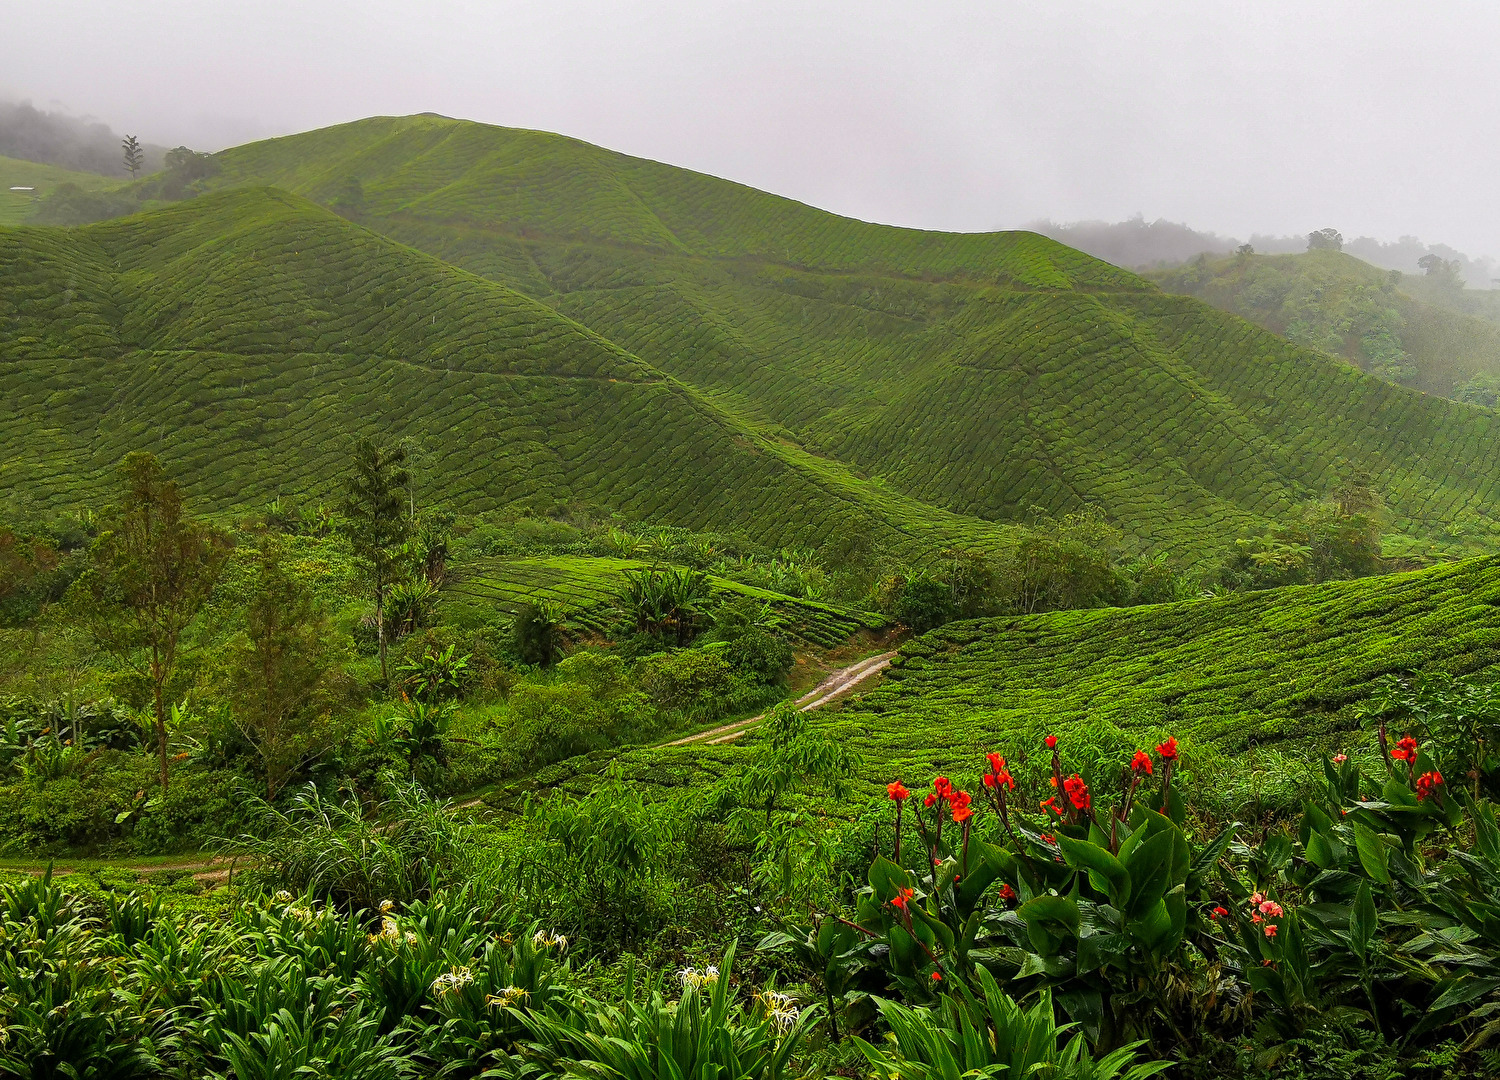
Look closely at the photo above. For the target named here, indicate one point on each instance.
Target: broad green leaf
(1372, 853)
(1101, 865)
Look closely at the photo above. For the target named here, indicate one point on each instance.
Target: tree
(153, 569)
(1325, 240)
(280, 673)
(130, 147)
(1245, 250)
(377, 524)
(1442, 271)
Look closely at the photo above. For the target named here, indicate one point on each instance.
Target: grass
(585, 590)
(16, 207)
(1272, 674)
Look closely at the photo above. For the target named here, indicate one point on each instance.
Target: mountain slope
(246, 336)
(987, 374)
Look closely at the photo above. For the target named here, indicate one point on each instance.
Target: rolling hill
(1398, 326)
(247, 336)
(565, 322)
(987, 374)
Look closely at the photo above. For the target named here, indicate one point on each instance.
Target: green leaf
(888, 879)
(1372, 853)
(1150, 872)
(1364, 921)
(1101, 865)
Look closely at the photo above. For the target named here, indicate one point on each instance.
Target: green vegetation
(455, 462)
(1423, 331)
(17, 207)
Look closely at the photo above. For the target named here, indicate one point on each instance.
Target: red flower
(942, 786)
(1078, 792)
(937, 976)
(897, 792)
(1141, 763)
(1007, 893)
(1270, 929)
(1051, 804)
(1406, 749)
(999, 774)
(1168, 749)
(1427, 785)
(903, 896)
(1049, 838)
(959, 800)
(962, 814)
(928, 802)
(1051, 742)
(1218, 913)
(1339, 759)
(1052, 780)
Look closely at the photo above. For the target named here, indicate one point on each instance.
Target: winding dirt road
(837, 683)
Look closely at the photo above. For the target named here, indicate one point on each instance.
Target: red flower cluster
(959, 801)
(1406, 750)
(1168, 750)
(1141, 763)
(1218, 913)
(896, 791)
(903, 897)
(999, 774)
(1006, 892)
(1051, 806)
(1051, 742)
(1078, 792)
(1427, 785)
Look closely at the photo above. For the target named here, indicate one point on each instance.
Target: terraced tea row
(586, 590)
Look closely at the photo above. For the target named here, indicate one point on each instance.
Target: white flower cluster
(781, 1009)
(506, 997)
(700, 979)
(390, 933)
(452, 981)
(545, 940)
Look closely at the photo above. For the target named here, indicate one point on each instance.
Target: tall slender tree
(377, 523)
(153, 569)
(132, 155)
(280, 672)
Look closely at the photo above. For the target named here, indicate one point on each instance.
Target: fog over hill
(1138, 244)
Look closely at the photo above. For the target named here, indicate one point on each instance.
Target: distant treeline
(1140, 244)
(70, 142)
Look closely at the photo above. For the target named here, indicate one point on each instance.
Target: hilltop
(584, 324)
(1398, 326)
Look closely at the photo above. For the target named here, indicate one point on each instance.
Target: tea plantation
(248, 337)
(986, 374)
(1276, 667)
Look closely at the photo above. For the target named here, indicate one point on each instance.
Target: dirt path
(838, 682)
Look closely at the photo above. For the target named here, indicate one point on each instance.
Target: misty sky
(1376, 117)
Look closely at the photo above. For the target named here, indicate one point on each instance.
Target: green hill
(586, 325)
(246, 337)
(17, 206)
(985, 373)
(1396, 326)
